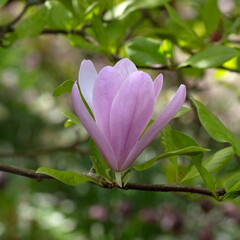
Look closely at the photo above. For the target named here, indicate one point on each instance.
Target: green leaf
(215, 127)
(68, 5)
(188, 151)
(99, 164)
(3, 2)
(126, 7)
(58, 16)
(148, 125)
(145, 52)
(208, 179)
(65, 87)
(173, 139)
(90, 8)
(69, 123)
(100, 31)
(118, 177)
(67, 177)
(80, 42)
(72, 117)
(232, 186)
(99, 168)
(32, 25)
(167, 49)
(168, 145)
(182, 111)
(212, 56)
(210, 15)
(181, 24)
(213, 163)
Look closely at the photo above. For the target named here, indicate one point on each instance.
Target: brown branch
(129, 186)
(81, 32)
(28, 154)
(23, 172)
(9, 25)
(173, 188)
(78, 32)
(165, 68)
(159, 67)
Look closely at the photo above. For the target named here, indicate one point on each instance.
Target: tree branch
(129, 186)
(159, 67)
(28, 154)
(23, 172)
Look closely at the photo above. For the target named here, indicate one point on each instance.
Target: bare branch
(173, 188)
(28, 154)
(23, 172)
(81, 32)
(129, 186)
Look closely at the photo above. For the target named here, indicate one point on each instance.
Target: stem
(129, 186)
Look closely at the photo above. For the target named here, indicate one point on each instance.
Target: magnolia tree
(116, 104)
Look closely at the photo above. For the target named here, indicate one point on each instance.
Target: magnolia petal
(131, 111)
(93, 129)
(125, 67)
(157, 84)
(107, 85)
(86, 79)
(162, 120)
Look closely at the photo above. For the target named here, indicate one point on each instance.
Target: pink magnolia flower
(121, 99)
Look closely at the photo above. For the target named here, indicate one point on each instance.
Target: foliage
(42, 44)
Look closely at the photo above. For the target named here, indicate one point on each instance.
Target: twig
(78, 32)
(129, 186)
(18, 17)
(23, 172)
(81, 32)
(173, 188)
(28, 154)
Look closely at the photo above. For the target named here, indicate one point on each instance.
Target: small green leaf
(188, 151)
(100, 31)
(146, 128)
(215, 127)
(32, 25)
(180, 22)
(99, 164)
(68, 5)
(100, 169)
(90, 8)
(173, 139)
(167, 49)
(80, 42)
(213, 163)
(96, 153)
(232, 186)
(182, 111)
(233, 183)
(58, 16)
(72, 117)
(212, 56)
(210, 15)
(126, 7)
(208, 179)
(65, 87)
(69, 123)
(3, 2)
(67, 177)
(145, 52)
(118, 177)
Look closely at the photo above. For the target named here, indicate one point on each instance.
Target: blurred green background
(32, 66)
